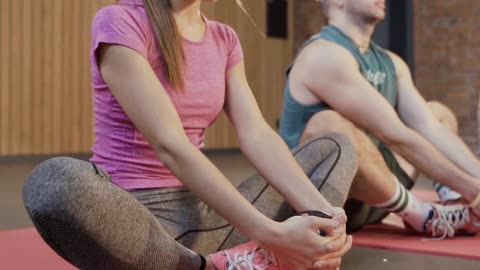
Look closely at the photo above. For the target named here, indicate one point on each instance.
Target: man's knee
(444, 114)
(328, 122)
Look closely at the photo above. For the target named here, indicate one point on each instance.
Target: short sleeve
(121, 26)
(235, 52)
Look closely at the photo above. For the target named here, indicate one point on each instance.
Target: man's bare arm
(414, 111)
(335, 78)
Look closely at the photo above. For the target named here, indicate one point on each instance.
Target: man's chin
(374, 20)
(379, 17)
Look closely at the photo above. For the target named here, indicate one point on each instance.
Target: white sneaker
(451, 220)
(445, 193)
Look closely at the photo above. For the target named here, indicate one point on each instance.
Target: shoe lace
(237, 261)
(448, 219)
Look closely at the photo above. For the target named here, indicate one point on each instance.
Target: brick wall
(447, 52)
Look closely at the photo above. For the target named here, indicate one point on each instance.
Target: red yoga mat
(25, 250)
(391, 235)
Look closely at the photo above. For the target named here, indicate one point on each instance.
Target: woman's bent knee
(348, 150)
(53, 180)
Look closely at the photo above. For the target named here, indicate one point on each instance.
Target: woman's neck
(186, 11)
(188, 19)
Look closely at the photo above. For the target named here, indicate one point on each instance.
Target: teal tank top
(375, 65)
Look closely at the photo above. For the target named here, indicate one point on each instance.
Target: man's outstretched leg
(447, 118)
(381, 185)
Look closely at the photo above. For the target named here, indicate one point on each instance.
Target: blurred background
(45, 92)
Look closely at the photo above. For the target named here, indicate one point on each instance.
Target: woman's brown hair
(168, 40)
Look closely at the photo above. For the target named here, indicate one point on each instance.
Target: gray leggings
(94, 224)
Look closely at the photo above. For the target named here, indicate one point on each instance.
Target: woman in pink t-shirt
(162, 73)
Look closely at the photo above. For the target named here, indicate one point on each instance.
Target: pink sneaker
(247, 256)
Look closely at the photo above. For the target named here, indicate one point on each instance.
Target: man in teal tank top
(342, 82)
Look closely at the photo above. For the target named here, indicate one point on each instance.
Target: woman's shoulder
(222, 30)
(118, 12)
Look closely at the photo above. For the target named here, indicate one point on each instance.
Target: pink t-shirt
(120, 149)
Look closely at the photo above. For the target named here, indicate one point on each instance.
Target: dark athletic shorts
(359, 213)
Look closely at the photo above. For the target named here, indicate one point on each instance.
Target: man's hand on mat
(298, 246)
(475, 206)
(476, 211)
